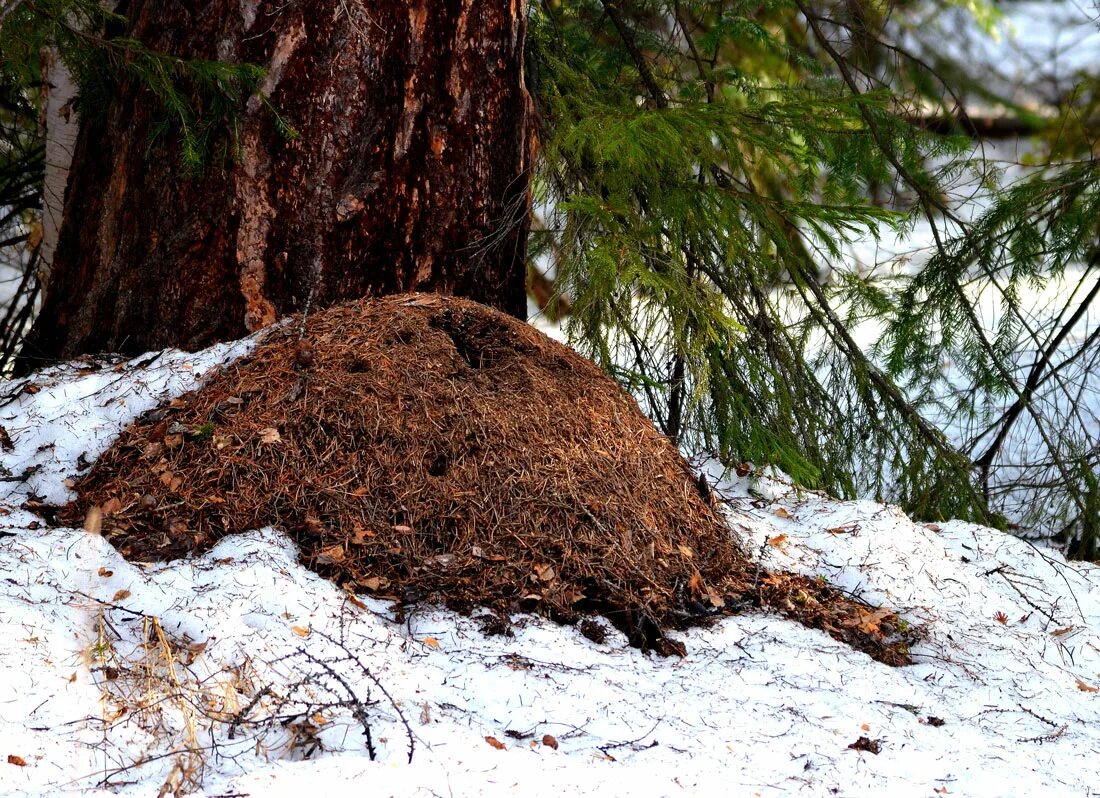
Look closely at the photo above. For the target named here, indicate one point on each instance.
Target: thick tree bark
(410, 173)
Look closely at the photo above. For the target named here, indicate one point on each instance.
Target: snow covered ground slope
(240, 672)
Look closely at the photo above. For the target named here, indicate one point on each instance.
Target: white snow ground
(118, 678)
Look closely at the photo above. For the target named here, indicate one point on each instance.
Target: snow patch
(240, 671)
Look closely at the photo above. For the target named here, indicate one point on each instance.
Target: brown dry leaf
(782, 512)
(1065, 630)
(93, 520)
(696, 586)
(866, 744)
(933, 527)
(778, 542)
(106, 572)
(17, 760)
(940, 790)
(843, 529)
(331, 554)
(497, 744)
(354, 600)
(431, 642)
(270, 435)
(549, 741)
(111, 506)
(869, 622)
(1084, 687)
(866, 727)
(1000, 618)
(686, 551)
(360, 534)
(404, 530)
(545, 573)
(301, 631)
(121, 595)
(373, 583)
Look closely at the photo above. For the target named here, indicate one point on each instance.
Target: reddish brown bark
(410, 173)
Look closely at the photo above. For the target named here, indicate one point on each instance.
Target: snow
(241, 672)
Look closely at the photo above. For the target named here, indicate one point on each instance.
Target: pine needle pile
(431, 449)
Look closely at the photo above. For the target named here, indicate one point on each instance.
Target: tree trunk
(410, 172)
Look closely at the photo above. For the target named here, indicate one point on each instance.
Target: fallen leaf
(866, 727)
(270, 435)
(121, 595)
(17, 760)
(1087, 688)
(301, 631)
(111, 506)
(373, 583)
(782, 512)
(549, 741)
(696, 586)
(778, 542)
(1001, 618)
(866, 744)
(686, 551)
(940, 790)
(353, 599)
(93, 520)
(497, 744)
(331, 554)
(869, 622)
(106, 572)
(1065, 630)
(431, 642)
(545, 573)
(404, 530)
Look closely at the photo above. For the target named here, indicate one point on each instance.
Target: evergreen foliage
(702, 163)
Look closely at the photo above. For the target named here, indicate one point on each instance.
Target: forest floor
(241, 672)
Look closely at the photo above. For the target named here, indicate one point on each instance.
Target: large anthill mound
(432, 449)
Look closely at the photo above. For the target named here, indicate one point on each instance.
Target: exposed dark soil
(431, 449)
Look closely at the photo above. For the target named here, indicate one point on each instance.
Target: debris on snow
(239, 671)
(431, 449)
